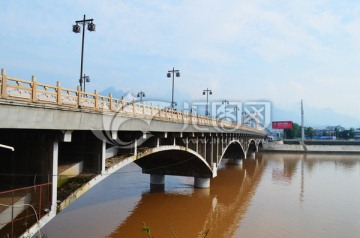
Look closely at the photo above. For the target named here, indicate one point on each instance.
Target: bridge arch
(173, 160)
(260, 145)
(252, 146)
(234, 150)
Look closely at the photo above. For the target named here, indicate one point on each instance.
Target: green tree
(346, 134)
(309, 131)
(293, 133)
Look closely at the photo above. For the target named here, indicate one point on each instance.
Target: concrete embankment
(350, 147)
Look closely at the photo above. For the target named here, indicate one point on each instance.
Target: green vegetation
(309, 132)
(345, 134)
(62, 182)
(69, 185)
(293, 133)
(147, 230)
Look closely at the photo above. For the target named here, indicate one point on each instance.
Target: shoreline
(315, 147)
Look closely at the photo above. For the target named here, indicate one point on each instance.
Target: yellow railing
(35, 92)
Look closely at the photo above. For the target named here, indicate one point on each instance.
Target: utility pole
(207, 92)
(77, 29)
(173, 72)
(302, 121)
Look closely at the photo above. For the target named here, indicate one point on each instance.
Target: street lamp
(140, 95)
(76, 29)
(236, 109)
(225, 102)
(207, 91)
(86, 79)
(173, 72)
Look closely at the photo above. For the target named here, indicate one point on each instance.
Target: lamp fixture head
(76, 28)
(91, 26)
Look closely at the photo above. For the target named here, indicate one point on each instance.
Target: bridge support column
(201, 182)
(215, 152)
(55, 157)
(237, 161)
(201, 150)
(103, 156)
(135, 147)
(157, 179)
(212, 150)
(197, 144)
(252, 154)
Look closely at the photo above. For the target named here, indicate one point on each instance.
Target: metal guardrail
(35, 92)
(23, 207)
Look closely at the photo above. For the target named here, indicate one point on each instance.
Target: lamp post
(207, 92)
(225, 102)
(236, 109)
(173, 72)
(140, 95)
(86, 79)
(243, 115)
(76, 29)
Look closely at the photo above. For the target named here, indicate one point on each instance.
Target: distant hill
(115, 93)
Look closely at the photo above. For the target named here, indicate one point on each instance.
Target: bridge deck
(73, 109)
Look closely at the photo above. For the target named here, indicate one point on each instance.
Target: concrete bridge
(47, 131)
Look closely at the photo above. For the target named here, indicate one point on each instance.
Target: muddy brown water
(274, 195)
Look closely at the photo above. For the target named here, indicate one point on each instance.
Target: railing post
(143, 109)
(134, 108)
(110, 103)
(96, 100)
(3, 83)
(58, 88)
(152, 110)
(33, 91)
(79, 96)
(122, 103)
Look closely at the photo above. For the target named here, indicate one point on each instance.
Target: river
(274, 195)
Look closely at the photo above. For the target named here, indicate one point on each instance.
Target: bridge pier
(201, 182)
(237, 161)
(252, 154)
(157, 179)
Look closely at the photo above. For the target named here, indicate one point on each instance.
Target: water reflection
(306, 195)
(213, 212)
(274, 195)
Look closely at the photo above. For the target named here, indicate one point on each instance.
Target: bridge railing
(21, 208)
(35, 92)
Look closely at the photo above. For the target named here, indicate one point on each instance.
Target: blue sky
(281, 51)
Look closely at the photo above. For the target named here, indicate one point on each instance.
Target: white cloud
(280, 50)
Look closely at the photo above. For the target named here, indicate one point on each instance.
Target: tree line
(295, 132)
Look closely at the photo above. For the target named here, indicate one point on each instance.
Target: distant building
(333, 128)
(357, 134)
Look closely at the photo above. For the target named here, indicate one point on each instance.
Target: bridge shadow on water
(212, 212)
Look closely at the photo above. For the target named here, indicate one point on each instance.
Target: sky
(243, 50)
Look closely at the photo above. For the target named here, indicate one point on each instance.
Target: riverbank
(311, 146)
